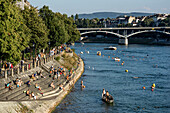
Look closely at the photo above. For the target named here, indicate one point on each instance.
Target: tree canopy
(61, 28)
(14, 34)
(20, 29)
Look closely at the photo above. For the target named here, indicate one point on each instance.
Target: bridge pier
(123, 41)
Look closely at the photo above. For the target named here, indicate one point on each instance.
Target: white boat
(117, 59)
(81, 52)
(110, 48)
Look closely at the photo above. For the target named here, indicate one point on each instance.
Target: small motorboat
(81, 52)
(117, 59)
(99, 53)
(110, 99)
(110, 48)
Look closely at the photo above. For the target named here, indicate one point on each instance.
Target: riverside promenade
(15, 100)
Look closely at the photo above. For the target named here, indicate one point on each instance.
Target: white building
(22, 4)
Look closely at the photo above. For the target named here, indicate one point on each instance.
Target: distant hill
(112, 14)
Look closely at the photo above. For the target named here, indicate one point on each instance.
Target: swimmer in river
(82, 84)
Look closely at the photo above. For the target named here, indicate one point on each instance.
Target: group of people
(106, 94)
(30, 94)
(18, 83)
(57, 73)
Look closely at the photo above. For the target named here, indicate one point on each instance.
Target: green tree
(39, 31)
(167, 21)
(60, 26)
(14, 34)
(76, 17)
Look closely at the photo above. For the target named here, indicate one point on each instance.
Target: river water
(146, 64)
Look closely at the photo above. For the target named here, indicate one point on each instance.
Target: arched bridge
(125, 33)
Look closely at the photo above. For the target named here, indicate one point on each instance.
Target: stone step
(16, 94)
(4, 90)
(48, 89)
(48, 92)
(24, 98)
(8, 93)
(32, 88)
(18, 97)
(53, 93)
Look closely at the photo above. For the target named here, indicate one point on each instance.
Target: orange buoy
(143, 87)
(122, 64)
(108, 56)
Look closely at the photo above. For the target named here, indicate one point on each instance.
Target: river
(146, 64)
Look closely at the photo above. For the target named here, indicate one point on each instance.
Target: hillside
(112, 14)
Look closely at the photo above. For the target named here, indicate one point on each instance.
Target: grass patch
(57, 58)
(63, 55)
(25, 109)
(70, 62)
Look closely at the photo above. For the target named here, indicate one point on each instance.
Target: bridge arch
(116, 34)
(147, 31)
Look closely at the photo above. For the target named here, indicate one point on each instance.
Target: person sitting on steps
(61, 87)
(38, 87)
(28, 93)
(28, 83)
(52, 85)
(33, 96)
(10, 86)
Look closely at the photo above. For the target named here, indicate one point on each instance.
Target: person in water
(82, 84)
(153, 87)
(104, 92)
(107, 95)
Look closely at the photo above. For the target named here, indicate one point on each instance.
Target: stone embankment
(16, 101)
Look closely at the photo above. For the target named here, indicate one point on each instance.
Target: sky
(72, 7)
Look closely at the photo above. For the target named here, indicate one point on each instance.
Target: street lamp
(49, 48)
(33, 50)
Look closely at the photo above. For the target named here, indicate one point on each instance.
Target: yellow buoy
(126, 70)
(153, 85)
(122, 64)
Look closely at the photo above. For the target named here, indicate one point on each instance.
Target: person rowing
(103, 93)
